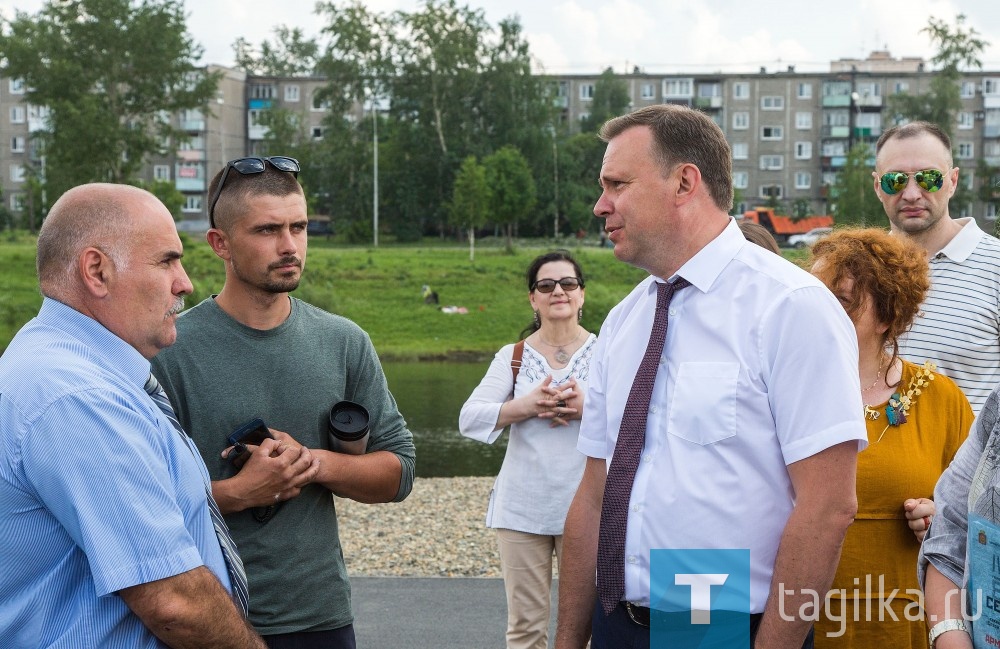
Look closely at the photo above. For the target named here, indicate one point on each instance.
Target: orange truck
(784, 227)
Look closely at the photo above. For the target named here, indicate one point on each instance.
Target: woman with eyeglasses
(536, 387)
(916, 421)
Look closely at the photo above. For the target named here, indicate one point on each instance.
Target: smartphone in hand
(252, 432)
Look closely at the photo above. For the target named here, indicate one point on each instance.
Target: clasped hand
(274, 471)
(559, 403)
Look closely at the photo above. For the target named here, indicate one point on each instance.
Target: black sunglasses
(929, 180)
(549, 285)
(248, 167)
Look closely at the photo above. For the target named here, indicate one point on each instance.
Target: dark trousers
(618, 631)
(342, 638)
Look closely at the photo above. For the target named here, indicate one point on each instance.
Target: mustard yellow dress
(880, 550)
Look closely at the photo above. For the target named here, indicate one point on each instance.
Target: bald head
(98, 215)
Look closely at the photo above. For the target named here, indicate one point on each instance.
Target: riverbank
(438, 531)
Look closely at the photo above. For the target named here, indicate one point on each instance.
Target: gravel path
(438, 531)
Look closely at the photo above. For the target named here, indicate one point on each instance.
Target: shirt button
(653, 409)
(632, 559)
(647, 458)
(673, 312)
(636, 508)
(663, 360)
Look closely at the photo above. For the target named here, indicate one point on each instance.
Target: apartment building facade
(790, 132)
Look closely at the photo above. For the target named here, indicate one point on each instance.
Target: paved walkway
(431, 613)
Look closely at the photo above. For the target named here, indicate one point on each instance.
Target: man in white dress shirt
(755, 418)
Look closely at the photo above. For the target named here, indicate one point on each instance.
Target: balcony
(708, 102)
(191, 155)
(869, 101)
(833, 161)
(835, 131)
(991, 130)
(991, 101)
(192, 125)
(560, 102)
(836, 101)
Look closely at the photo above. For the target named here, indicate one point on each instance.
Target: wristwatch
(944, 626)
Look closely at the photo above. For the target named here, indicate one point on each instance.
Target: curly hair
(891, 270)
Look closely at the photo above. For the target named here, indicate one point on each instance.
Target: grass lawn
(380, 289)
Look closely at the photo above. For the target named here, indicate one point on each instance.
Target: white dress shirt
(542, 468)
(759, 370)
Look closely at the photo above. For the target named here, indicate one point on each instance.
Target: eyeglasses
(930, 180)
(549, 285)
(248, 167)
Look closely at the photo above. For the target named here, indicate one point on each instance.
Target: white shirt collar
(963, 243)
(708, 263)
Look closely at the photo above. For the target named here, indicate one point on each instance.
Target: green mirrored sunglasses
(929, 180)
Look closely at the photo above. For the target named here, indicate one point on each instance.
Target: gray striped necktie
(237, 574)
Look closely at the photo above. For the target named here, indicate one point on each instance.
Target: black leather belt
(640, 615)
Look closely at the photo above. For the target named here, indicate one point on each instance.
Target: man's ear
(96, 271)
(219, 242)
(688, 181)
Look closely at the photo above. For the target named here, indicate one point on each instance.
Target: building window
(17, 173)
(161, 172)
(836, 117)
(804, 91)
(741, 179)
(709, 90)
(17, 144)
(17, 114)
(261, 91)
(772, 102)
(872, 89)
(834, 147)
(583, 117)
(741, 121)
(965, 211)
(17, 202)
(965, 150)
(991, 211)
(803, 180)
(677, 88)
(320, 101)
(741, 151)
(901, 87)
(771, 191)
(317, 133)
(991, 86)
(965, 120)
(772, 162)
(771, 132)
(648, 91)
(966, 179)
(192, 204)
(291, 93)
(968, 89)
(16, 86)
(741, 90)
(803, 150)
(586, 91)
(803, 121)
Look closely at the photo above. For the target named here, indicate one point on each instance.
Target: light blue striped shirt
(98, 492)
(958, 326)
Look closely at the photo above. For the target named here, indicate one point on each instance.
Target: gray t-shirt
(220, 374)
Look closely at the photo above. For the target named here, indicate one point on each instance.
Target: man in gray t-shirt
(254, 351)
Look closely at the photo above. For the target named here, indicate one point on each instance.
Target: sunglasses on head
(929, 180)
(549, 285)
(248, 167)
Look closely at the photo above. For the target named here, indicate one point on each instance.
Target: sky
(659, 36)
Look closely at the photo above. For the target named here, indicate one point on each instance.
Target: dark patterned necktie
(625, 461)
(237, 574)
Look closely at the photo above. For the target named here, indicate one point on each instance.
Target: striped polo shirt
(958, 326)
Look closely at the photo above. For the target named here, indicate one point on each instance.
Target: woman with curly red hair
(916, 421)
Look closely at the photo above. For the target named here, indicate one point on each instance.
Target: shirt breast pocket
(703, 409)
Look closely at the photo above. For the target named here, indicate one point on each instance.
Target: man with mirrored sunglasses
(254, 351)
(958, 327)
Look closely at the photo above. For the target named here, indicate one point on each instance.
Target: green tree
(853, 195)
(110, 73)
(512, 188)
(291, 53)
(957, 49)
(580, 159)
(168, 194)
(611, 99)
(470, 200)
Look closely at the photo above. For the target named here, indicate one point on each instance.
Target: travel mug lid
(348, 421)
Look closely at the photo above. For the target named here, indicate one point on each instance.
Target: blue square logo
(699, 599)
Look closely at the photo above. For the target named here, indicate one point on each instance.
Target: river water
(430, 396)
